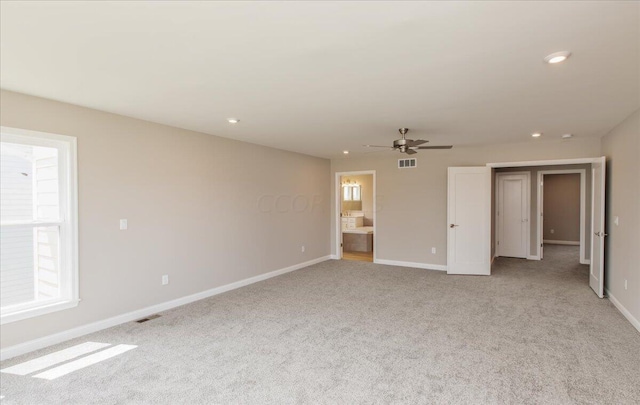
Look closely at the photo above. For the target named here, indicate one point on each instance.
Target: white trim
(579, 161)
(583, 209)
(623, 310)
(528, 209)
(26, 347)
(532, 257)
(426, 266)
(338, 220)
(334, 257)
(42, 309)
(561, 242)
(68, 221)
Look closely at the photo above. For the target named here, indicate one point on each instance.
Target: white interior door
(541, 217)
(596, 273)
(513, 216)
(341, 236)
(469, 227)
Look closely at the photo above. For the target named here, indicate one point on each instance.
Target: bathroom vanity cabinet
(352, 223)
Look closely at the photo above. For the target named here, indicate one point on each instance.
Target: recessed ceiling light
(536, 134)
(233, 120)
(557, 57)
(567, 136)
(346, 152)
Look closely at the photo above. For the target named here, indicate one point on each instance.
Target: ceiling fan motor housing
(399, 143)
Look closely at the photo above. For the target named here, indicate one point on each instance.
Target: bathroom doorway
(356, 215)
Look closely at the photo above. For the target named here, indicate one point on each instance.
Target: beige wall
(202, 209)
(366, 189)
(622, 260)
(412, 203)
(198, 215)
(561, 207)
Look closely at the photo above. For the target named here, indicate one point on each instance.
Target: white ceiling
(318, 78)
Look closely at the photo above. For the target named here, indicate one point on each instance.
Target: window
(38, 225)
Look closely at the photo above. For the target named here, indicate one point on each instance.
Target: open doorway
(552, 230)
(522, 226)
(562, 210)
(356, 215)
(474, 209)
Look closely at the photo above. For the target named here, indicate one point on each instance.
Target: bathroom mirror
(351, 192)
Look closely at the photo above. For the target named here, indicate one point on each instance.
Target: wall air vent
(407, 163)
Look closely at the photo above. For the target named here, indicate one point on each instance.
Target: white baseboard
(426, 266)
(26, 347)
(623, 310)
(582, 261)
(561, 242)
(334, 257)
(533, 257)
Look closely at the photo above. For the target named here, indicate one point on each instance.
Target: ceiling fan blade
(416, 142)
(410, 151)
(379, 146)
(435, 147)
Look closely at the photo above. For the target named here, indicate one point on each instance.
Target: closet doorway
(587, 248)
(512, 214)
(562, 206)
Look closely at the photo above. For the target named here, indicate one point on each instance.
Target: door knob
(453, 225)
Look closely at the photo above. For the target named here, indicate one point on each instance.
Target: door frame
(528, 210)
(583, 205)
(338, 204)
(556, 162)
(600, 290)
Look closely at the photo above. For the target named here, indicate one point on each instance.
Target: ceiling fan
(408, 146)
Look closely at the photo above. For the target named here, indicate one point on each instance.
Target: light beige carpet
(352, 332)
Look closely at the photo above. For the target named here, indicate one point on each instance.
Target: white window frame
(68, 222)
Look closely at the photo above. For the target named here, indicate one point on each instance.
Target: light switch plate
(616, 220)
(123, 225)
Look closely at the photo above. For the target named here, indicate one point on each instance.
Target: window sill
(37, 311)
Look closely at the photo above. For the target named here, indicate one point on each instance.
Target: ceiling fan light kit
(408, 146)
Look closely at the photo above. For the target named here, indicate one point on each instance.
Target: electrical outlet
(165, 279)
(553, 231)
(616, 220)
(625, 284)
(433, 251)
(302, 249)
(123, 225)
